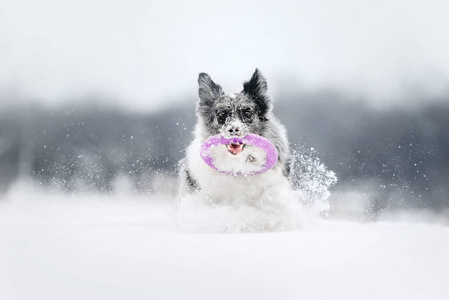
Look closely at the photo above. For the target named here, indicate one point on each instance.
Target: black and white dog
(238, 114)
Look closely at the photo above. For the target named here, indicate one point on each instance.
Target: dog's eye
(222, 115)
(246, 114)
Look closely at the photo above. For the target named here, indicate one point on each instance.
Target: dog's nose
(234, 130)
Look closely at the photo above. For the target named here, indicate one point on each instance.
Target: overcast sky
(144, 54)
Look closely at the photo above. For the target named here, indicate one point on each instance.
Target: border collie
(238, 114)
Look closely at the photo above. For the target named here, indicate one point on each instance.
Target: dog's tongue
(235, 148)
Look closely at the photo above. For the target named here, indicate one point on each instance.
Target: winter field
(124, 246)
(97, 108)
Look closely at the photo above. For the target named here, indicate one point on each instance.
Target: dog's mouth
(235, 148)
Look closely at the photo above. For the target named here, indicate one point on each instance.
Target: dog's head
(233, 114)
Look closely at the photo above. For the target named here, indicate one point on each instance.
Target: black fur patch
(288, 167)
(256, 89)
(208, 92)
(191, 182)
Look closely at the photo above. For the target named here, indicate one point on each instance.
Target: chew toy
(250, 139)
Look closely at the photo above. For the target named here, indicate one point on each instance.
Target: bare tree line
(83, 147)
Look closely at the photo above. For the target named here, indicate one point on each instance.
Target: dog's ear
(256, 89)
(207, 89)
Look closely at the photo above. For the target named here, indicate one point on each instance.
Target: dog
(235, 115)
(279, 199)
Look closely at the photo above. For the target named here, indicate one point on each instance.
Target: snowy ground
(121, 247)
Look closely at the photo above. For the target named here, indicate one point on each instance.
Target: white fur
(251, 159)
(252, 203)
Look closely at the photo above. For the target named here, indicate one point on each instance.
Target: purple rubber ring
(250, 139)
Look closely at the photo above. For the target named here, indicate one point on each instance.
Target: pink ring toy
(250, 139)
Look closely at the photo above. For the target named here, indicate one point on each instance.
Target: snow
(124, 246)
(279, 211)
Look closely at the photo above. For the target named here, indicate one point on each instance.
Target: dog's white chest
(250, 160)
(230, 188)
